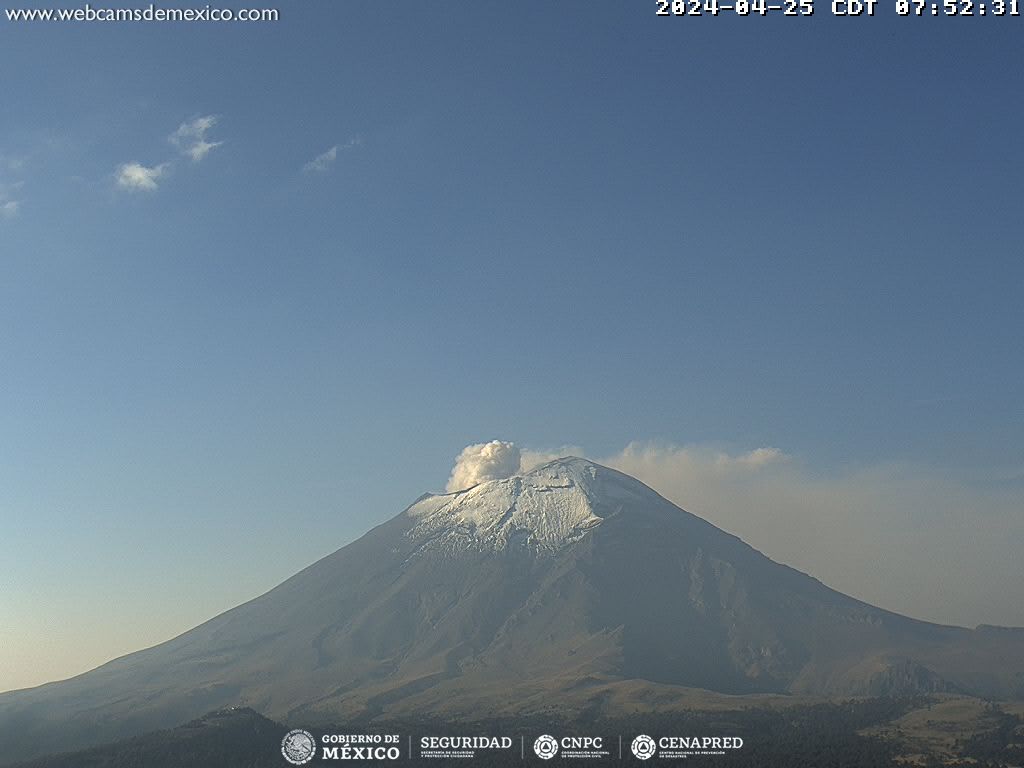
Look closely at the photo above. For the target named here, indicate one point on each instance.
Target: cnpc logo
(546, 747)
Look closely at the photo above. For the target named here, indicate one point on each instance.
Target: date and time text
(838, 7)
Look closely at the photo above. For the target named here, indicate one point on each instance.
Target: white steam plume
(484, 461)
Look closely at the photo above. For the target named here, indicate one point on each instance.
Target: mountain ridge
(571, 582)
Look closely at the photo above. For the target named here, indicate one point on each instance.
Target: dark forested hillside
(229, 738)
(823, 735)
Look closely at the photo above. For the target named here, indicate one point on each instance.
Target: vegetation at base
(999, 747)
(814, 736)
(230, 738)
(823, 735)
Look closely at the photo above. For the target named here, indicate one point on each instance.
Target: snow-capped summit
(547, 507)
(570, 586)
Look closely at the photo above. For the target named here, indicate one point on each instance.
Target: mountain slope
(569, 576)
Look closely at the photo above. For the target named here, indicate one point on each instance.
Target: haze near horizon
(262, 283)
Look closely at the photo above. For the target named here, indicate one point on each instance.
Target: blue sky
(559, 224)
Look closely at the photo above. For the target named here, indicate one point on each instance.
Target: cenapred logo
(298, 747)
(643, 747)
(546, 747)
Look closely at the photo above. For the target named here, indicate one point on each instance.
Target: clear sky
(261, 283)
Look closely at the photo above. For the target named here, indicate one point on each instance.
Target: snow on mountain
(550, 589)
(546, 508)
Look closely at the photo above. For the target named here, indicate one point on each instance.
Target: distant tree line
(824, 735)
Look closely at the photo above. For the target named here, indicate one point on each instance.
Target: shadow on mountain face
(570, 589)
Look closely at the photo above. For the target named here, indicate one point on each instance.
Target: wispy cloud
(136, 177)
(10, 204)
(191, 138)
(908, 538)
(191, 141)
(322, 163)
(12, 163)
(325, 161)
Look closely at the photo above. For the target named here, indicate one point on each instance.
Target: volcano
(569, 586)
